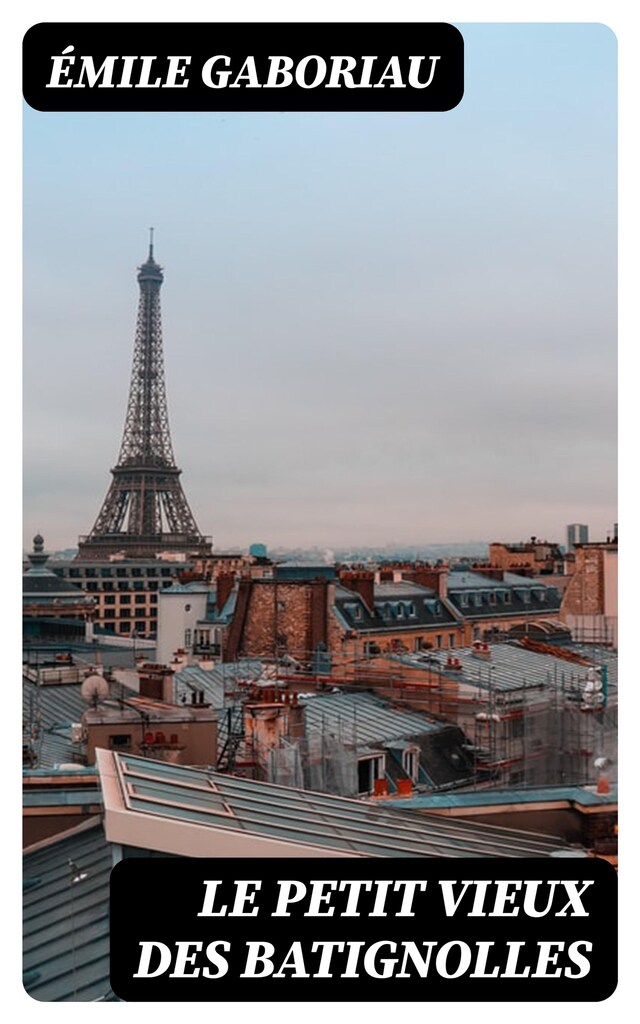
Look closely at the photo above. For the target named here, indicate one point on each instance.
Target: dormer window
(411, 762)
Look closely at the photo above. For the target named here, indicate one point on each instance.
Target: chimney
(361, 582)
(435, 577)
(224, 586)
(156, 681)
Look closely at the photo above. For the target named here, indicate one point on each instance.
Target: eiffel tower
(145, 510)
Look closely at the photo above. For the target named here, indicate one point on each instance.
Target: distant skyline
(383, 328)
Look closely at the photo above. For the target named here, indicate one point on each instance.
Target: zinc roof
(66, 917)
(217, 681)
(53, 705)
(512, 668)
(363, 718)
(582, 795)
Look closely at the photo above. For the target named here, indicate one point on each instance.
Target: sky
(378, 328)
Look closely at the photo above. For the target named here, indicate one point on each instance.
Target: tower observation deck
(145, 510)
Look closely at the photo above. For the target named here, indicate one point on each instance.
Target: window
(357, 612)
(89, 572)
(370, 769)
(141, 598)
(152, 572)
(153, 598)
(141, 625)
(105, 572)
(516, 728)
(92, 587)
(136, 572)
(124, 627)
(492, 597)
(411, 762)
(438, 641)
(125, 598)
(120, 741)
(507, 597)
(74, 573)
(109, 613)
(411, 608)
(187, 607)
(109, 599)
(107, 586)
(121, 572)
(452, 640)
(187, 638)
(417, 643)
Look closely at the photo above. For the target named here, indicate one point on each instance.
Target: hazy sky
(377, 327)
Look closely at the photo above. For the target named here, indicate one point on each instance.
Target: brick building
(125, 591)
(590, 602)
(534, 557)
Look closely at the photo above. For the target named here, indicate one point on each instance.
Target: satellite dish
(94, 689)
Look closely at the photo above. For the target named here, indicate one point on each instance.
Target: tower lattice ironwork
(145, 510)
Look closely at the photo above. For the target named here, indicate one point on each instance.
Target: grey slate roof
(35, 583)
(397, 606)
(66, 922)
